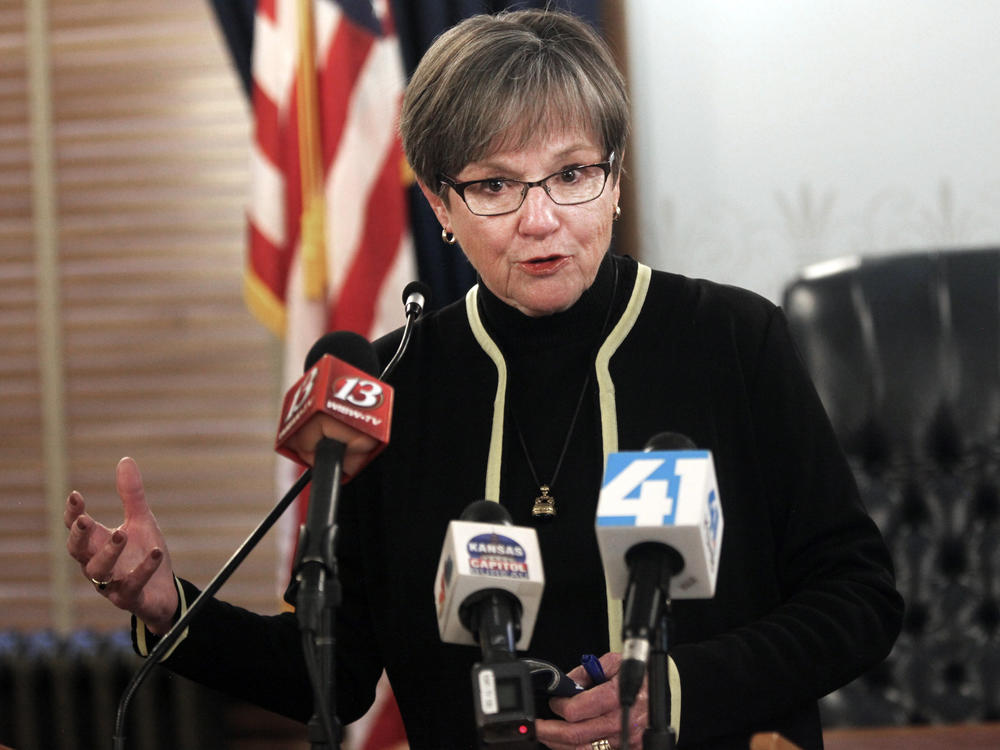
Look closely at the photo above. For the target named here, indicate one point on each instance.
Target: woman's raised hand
(129, 564)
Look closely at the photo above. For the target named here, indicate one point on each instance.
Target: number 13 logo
(365, 394)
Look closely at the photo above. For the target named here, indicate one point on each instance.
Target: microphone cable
(415, 296)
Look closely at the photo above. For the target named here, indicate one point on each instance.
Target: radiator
(61, 693)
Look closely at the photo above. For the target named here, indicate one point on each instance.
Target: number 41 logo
(641, 492)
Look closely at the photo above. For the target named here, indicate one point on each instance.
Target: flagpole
(313, 228)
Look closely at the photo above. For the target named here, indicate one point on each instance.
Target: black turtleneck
(550, 360)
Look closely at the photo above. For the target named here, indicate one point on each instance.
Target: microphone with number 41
(659, 529)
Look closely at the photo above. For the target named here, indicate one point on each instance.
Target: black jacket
(805, 598)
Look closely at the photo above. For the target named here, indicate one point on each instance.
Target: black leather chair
(905, 353)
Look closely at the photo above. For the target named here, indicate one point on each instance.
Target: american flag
(329, 241)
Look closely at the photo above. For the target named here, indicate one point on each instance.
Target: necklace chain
(544, 506)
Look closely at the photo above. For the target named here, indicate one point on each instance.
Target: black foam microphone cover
(416, 292)
(486, 511)
(669, 441)
(348, 346)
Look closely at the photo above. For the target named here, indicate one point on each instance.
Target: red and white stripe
(367, 246)
(369, 253)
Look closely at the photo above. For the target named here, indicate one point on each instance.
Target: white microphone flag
(670, 497)
(477, 556)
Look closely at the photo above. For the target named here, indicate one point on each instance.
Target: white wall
(774, 133)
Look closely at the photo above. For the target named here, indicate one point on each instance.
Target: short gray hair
(498, 81)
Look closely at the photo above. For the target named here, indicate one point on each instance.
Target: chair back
(905, 353)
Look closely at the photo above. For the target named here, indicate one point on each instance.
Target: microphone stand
(316, 593)
(659, 735)
(315, 589)
(647, 618)
(173, 635)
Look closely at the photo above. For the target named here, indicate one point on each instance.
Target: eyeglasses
(501, 195)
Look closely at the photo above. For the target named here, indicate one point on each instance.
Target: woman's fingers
(85, 537)
(128, 481)
(101, 566)
(74, 509)
(131, 586)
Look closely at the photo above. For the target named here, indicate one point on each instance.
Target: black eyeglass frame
(459, 187)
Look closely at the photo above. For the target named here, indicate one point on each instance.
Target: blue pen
(594, 669)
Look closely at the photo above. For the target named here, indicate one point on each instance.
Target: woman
(515, 126)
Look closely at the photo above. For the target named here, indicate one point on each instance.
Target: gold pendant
(545, 506)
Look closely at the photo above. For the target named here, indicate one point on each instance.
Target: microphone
(360, 354)
(485, 557)
(415, 296)
(487, 590)
(659, 529)
(338, 381)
